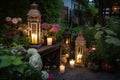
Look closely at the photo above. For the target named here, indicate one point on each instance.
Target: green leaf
(98, 34)
(5, 61)
(113, 40)
(110, 32)
(20, 68)
(17, 61)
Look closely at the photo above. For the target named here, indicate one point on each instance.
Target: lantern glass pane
(34, 28)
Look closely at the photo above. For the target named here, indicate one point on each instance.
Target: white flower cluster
(35, 60)
(44, 75)
(18, 50)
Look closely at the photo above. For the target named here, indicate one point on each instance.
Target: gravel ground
(80, 73)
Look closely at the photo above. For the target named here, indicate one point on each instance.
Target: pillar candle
(62, 68)
(72, 63)
(66, 41)
(49, 41)
(34, 39)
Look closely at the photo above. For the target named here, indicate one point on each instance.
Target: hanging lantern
(67, 36)
(34, 20)
(80, 47)
(115, 7)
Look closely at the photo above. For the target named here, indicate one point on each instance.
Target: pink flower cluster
(13, 20)
(50, 27)
(15, 27)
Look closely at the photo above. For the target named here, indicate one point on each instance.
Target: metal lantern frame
(34, 22)
(80, 49)
(67, 36)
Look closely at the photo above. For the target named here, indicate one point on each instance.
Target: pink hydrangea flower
(45, 25)
(55, 28)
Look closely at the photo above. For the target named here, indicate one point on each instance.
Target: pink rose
(8, 19)
(14, 20)
(45, 26)
(19, 19)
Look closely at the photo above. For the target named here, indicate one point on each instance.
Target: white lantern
(80, 49)
(34, 20)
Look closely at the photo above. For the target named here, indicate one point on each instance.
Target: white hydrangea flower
(36, 62)
(44, 75)
(18, 50)
(32, 51)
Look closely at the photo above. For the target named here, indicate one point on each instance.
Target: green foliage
(60, 33)
(11, 35)
(90, 10)
(108, 35)
(14, 65)
(114, 24)
(32, 74)
(112, 40)
(108, 40)
(10, 63)
(89, 35)
(92, 57)
(76, 30)
(50, 10)
(83, 2)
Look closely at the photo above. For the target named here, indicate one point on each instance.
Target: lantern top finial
(80, 39)
(34, 12)
(66, 32)
(34, 6)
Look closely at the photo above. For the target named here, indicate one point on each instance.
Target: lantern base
(37, 46)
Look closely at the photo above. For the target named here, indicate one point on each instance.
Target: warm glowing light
(34, 39)
(49, 41)
(67, 55)
(66, 41)
(79, 57)
(93, 48)
(72, 63)
(62, 68)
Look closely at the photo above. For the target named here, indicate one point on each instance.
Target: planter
(109, 67)
(93, 66)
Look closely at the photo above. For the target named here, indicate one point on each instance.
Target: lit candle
(72, 63)
(62, 68)
(34, 39)
(49, 41)
(66, 41)
(79, 56)
(67, 55)
(93, 48)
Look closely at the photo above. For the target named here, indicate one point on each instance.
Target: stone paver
(79, 73)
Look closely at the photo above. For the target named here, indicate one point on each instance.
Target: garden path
(80, 73)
